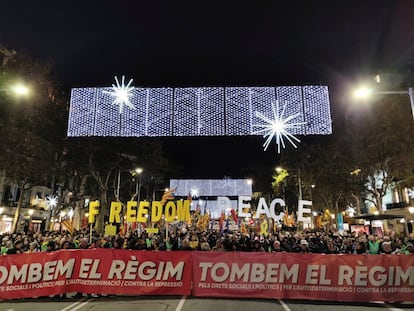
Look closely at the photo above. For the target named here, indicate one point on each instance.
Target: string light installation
(52, 201)
(203, 111)
(277, 127)
(122, 94)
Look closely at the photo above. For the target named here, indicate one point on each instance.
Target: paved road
(190, 304)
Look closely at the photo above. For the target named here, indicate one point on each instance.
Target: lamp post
(365, 92)
(19, 90)
(138, 171)
(155, 190)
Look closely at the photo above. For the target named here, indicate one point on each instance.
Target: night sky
(214, 43)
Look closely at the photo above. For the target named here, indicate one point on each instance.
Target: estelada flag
(221, 220)
(234, 215)
(68, 225)
(203, 222)
(168, 195)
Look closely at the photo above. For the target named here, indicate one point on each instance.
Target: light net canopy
(203, 111)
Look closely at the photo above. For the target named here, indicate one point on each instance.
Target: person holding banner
(304, 247)
(218, 247)
(16, 249)
(33, 248)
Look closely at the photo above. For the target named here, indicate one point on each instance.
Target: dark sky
(214, 43)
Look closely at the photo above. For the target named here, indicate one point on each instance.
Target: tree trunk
(18, 210)
(358, 203)
(99, 226)
(378, 198)
(80, 203)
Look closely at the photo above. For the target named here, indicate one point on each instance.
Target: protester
(188, 238)
(17, 248)
(33, 248)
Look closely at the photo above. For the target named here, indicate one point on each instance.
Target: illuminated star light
(410, 193)
(194, 192)
(122, 93)
(52, 201)
(278, 127)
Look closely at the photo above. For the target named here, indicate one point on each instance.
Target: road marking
(82, 304)
(285, 306)
(180, 304)
(73, 304)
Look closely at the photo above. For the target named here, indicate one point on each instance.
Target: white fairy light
(122, 94)
(52, 201)
(278, 127)
(213, 111)
(194, 192)
(410, 192)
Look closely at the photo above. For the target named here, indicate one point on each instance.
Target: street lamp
(365, 92)
(139, 171)
(411, 210)
(20, 90)
(134, 172)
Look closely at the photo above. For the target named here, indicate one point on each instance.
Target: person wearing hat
(304, 246)
(33, 248)
(6, 245)
(407, 249)
(16, 249)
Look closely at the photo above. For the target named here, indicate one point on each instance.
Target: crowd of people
(186, 238)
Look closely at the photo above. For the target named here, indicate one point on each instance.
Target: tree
(31, 137)
(103, 158)
(382, 147)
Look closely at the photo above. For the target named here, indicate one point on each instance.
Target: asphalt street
(169, 303)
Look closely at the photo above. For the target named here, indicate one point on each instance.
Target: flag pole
(90, 233)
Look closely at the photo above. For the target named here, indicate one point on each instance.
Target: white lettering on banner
(375, 276)
(147, 270)
(223, 203)
(249, 272)
(244, 206)
(94, 282)
(35, 272)
(302, 211)
(263, 209)
(314, 277)
(89, 269)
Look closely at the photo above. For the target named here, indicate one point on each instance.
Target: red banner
(304, 276)
(223, 274)
(98, 271)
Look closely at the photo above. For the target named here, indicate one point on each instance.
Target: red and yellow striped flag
(68, 225)
(168, 195)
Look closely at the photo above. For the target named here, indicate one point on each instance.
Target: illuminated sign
(211, 187)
